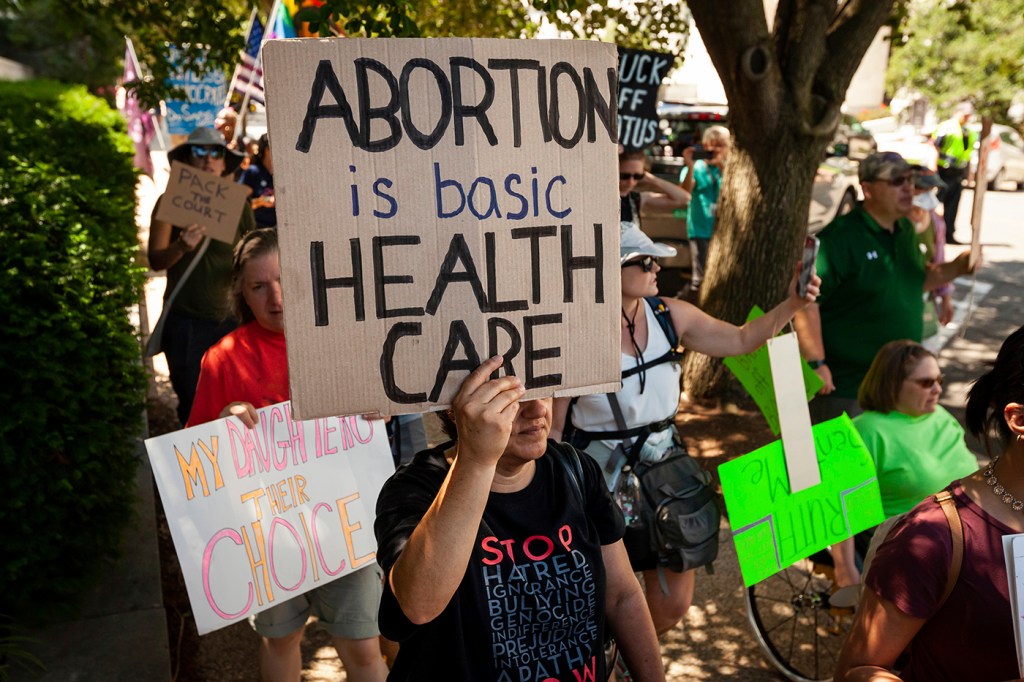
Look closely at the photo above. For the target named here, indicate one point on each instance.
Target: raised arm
(936, 276)
(705, 334)
(661, 195)
(431, 567)
(687, 181)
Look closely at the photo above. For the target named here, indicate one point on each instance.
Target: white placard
(1013, 552)
(794, 415)
(262, 515)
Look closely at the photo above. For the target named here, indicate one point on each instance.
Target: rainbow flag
(283, 24)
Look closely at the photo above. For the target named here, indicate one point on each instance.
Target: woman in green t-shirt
(917, 445)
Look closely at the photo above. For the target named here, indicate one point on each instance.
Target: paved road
(716, 642)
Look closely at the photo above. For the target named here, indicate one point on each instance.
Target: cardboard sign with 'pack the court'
(439, 202)
(195, 196)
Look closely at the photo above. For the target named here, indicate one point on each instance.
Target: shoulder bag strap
(629, 449)
(956, 530)
(570, 461)
(153, 345)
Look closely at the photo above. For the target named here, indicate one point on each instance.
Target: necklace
(998, 489)
(631, 326)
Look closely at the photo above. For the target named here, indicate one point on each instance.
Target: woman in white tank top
(652, 394)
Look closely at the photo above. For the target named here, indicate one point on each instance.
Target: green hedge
(71, 386)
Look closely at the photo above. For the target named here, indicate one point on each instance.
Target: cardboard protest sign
(204, 97)
(262, 515)
(640, 76)
(772, 527)
(441, 202)
(195, 196)
(755, 374)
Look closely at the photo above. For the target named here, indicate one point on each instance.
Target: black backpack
(679, 515)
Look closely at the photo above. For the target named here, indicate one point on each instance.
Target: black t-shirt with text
(531, 602)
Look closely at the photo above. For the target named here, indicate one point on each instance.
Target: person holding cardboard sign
(502, 552)
(954, 619)
(198, 272)
(248, 369)
(649, 398)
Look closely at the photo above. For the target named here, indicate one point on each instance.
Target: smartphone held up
(810, 255)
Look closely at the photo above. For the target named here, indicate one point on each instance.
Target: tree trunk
(758, 239)
(785, 88)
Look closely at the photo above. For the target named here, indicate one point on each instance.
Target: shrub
(71, 385)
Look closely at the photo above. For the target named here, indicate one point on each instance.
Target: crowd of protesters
(860, 322)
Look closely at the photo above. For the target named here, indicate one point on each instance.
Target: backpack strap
(567, 456)
(956, 531)
(664, 317)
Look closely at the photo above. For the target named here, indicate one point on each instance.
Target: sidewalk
(121, 630)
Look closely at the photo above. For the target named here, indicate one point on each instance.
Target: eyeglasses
(631, 176)
(901, 180)
(215, 152)
(647, 263)
(928, 382)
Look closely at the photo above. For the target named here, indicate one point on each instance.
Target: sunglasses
(647, 263)
(901, 180)
(202, 152)
(631, 176)
(928, 382)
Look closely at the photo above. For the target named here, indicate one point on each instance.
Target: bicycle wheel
(800, 633)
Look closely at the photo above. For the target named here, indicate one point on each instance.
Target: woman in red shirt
(246, 370)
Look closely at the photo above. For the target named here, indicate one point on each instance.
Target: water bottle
(627, 496)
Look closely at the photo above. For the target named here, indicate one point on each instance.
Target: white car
(1005, 161)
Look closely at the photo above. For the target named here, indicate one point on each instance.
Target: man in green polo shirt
(872, 280)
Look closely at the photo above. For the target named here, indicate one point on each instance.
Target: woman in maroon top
(970, 636)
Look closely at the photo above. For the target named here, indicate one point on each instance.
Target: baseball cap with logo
(882, 166)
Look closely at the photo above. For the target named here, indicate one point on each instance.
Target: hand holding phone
(699, 153)
(810, 255)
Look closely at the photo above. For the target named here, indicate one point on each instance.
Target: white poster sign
(262, 515)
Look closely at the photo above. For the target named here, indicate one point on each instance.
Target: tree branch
(800, 30)
(855, 25)
(736, 40)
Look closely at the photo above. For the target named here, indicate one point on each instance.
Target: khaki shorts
(346, 608)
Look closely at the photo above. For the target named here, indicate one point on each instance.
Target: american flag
(248, 78)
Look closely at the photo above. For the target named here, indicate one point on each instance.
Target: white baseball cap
(633, 242)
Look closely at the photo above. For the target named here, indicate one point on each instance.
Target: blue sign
(205, 97)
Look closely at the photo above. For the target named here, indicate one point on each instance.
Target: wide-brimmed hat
(633, 242)
(206, 137)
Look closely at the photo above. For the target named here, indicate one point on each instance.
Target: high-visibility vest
(953, 153)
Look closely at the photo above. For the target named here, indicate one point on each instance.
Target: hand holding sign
(485, 411)
(195, 197)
